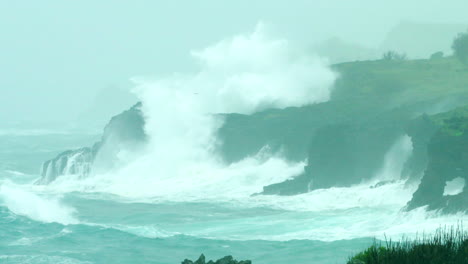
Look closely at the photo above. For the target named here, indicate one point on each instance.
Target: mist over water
(394, 159)
(179, 195)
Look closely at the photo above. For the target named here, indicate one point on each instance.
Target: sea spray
(36, 207)
(394, 159)
(243, 74)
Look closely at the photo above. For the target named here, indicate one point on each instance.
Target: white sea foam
(150, 231)
(36, 207)
(326, 215)
(194, 182)
(31, 132)
(28, 241)
(14, 173)
(395, 159)
(39, 259)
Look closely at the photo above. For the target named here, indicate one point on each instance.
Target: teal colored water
(122, 240)
(46, 225)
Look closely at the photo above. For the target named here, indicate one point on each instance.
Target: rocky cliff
(443, 186)
(124, 132)
(348, 153)
(345, 140)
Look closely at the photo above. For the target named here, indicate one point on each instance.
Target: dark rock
(341, 155)
(447, 159)
(382, 183)
(225, 260)
(421, 130)
(72, 162)
(201, 260)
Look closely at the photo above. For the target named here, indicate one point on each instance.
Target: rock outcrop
(71, 162)
(225, 260)
(124, 132)
(447, 153)
(421, 130)
(341, 155)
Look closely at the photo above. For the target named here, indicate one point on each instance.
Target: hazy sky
(55, 55)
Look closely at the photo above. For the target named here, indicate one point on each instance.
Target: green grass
(453, 123)
(447, 246)
(404, 81)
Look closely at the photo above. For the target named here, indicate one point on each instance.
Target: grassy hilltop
(405, 81)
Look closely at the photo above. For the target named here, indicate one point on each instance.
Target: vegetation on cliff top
(403, 81)
(460, 47)
(447, 246)
(453, 123)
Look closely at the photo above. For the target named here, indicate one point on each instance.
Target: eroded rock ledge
(447, 152)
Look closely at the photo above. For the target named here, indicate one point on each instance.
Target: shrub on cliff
(394, 56)
(437, 55)
(446, 247)
(460, 47)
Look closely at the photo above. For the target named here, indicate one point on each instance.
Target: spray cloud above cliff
(242, 74)
(247, 73)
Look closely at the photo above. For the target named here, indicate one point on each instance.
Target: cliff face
(347, 154)
(71, 162)
(287, 130)
(447, 152)
(341, 155)
(421, 130)
(293, 129)
(124, 132)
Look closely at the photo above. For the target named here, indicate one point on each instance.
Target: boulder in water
(225, 260)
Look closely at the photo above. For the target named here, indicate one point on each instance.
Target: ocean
(71, 223)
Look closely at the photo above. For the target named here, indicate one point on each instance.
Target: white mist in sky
(243, 74)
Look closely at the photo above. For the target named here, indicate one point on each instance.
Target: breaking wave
(34, 206)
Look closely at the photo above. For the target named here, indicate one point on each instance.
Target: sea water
(44, 224)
